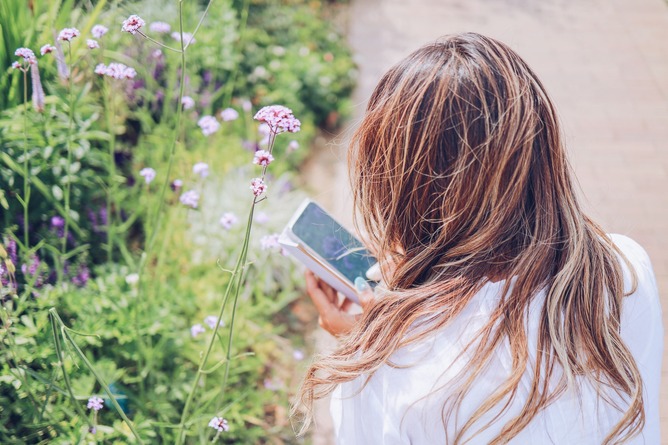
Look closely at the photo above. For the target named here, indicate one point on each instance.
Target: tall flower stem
(68, 165)
(111, 191)
(26, 165)
(236, 280)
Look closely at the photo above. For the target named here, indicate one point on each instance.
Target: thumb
(364, 292)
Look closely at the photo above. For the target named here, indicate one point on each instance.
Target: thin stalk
(159, 43)
(26, 166)
(111, 192)
(238, 270)
(68, 141)
(201, 19)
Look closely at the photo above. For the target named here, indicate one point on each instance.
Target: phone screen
(333, 243)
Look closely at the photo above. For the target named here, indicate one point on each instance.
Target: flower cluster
(228, 220)
(263, 158)
(197, 329)
(27, 54)
(210, 321)
(47, 49)
(258, 186)
(67, 34)
(92, 44)
(208, 124)
(148, 174)
(98, 31)
(190, 199)
(160, 27)
(229, 114)
(95, 403)
(187, 102)
(201, 169)
(219, 424)
(279, 119)
(132, 24)
(116, 71)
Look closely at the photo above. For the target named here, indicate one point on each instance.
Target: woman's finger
(320, 299)
(364, 292)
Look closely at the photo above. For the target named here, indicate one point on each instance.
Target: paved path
(605, 63)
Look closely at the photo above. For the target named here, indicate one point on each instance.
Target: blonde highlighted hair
(460, 176)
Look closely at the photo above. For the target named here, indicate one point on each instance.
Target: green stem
(55, 319)
(237, 272)
(111, 191)
(26, 166)
(68, 165)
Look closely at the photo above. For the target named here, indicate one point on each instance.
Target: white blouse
(393, 408)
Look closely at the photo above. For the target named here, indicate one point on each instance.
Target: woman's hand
(336, 318)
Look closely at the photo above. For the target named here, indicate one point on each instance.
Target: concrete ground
(605, 63)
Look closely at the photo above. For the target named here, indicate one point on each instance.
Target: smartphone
(325, 247)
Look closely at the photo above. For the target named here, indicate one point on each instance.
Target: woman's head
(459, 156)
(460, 176)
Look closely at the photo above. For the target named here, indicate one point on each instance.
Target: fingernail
(361, 285)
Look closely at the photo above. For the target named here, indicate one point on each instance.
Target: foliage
(117, 290)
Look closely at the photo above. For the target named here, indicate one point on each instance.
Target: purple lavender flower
(258, 186)
(27, 54)
(10, 245)
(92, 44)
(211, 320)
(58, 223)
(263, 158)
(190, 199)
(67, 34)
(47, 49)
(208, 124)
(219, 424)
(279, 118)
(197, 329)
(132, 24)
(98, 31)
(187, 102)
(115, 70)
(16, 65)
(82, 276)
(228, 220)
(148, 174)
(176, 185)
(95, 403)
(159, 27)
(229, 114)
(201, 169)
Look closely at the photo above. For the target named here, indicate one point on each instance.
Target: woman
(506, 315)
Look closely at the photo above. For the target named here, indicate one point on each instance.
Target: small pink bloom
(292, 146)
(47, 49)
(187, 102)
(190, 199)
(246, 105)
(92, 44)
(187, 37)
(261, 218)
(279, 118)
(132, 24)
(197, 329)
(67, 34)
(26, 54)
(219, 424)
(95, 403)
(159, 27)
(258, 186)
(211, 320)
(228, 220)
(229, 114)
(16, 65)
(208, 124)
(263, 158)
(201, 169)
(98, 31)
(270, 242)
(148, 174)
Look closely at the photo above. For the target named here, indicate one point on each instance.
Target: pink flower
(228, 220)
(219, 424)
(208, 124)
(201, 169)
(116, 71)
(92, 44)
(187, 37)
(148, 174)
(293, 145)
(132, 24)
(16, 65)
(67, 34)
(26, 54)
(95, 403)
(211, 320)
(187, 102)
(190, 199)
(246, 105)
(98, 31)
(258, 186)
(196, 329)
(263, 158)
(270, 242)
(279, 118)
(229, 114)
(47, 49)
(261, 218)
(159, 27)
(176, 185)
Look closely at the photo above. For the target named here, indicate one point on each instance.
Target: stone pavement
(605, 64)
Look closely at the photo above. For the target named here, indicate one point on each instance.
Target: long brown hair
(460, 176)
